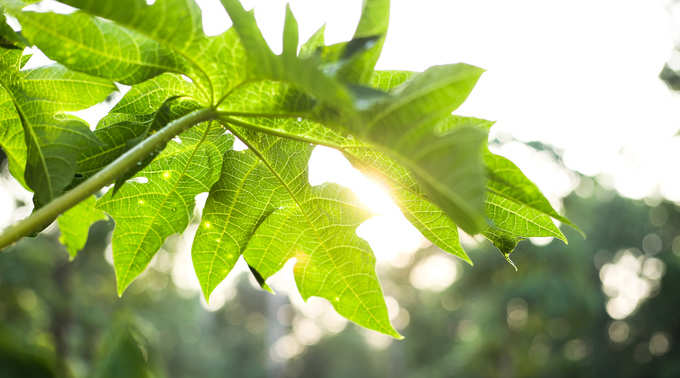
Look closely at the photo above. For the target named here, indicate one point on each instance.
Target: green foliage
(394, 125)
(41, 141)
(23, 360)
(147, 213)
(75, 225)
(123, 354)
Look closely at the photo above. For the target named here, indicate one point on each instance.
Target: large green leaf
(147, 213)
(430, 220)
(446, 163)
(317, 226)
(515, 206)
(100, 48)
(245, 194)
(33, 106)
(331, 261)
(394, 125)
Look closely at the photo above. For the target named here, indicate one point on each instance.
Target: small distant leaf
(123, 353)
(75, 225)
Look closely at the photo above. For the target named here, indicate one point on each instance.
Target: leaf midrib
(531, 221)
(515, 200)
(226, 221)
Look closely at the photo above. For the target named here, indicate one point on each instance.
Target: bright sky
(580, 75)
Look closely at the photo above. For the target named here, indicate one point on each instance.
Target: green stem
(280, 133)
(106, 176)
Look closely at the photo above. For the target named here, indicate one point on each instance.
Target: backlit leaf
(147, 213)
(33, 105)
(74, 225)
(396, 126)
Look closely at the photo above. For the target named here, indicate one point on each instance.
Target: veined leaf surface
(394, 125)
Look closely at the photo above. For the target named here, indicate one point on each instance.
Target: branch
(106, 176)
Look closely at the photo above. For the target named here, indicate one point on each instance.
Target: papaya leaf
(33, 106)
(331, 261)
(450, 168)
(147, 213)
(75, 225)
(100, 48)
(246, 193)
(396, 126)
(507, 180)
(317, 226)
(514, 205)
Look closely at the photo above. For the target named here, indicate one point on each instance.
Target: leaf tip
(389, 330)
(122, 286)
(469, 261)
(260, 280)
(578, 230)
(268, 289)
(206, 294)
(461, 254)
(512, 263)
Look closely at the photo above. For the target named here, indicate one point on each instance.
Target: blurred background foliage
(602, 306)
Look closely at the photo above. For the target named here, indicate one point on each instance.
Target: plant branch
(106, 176)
